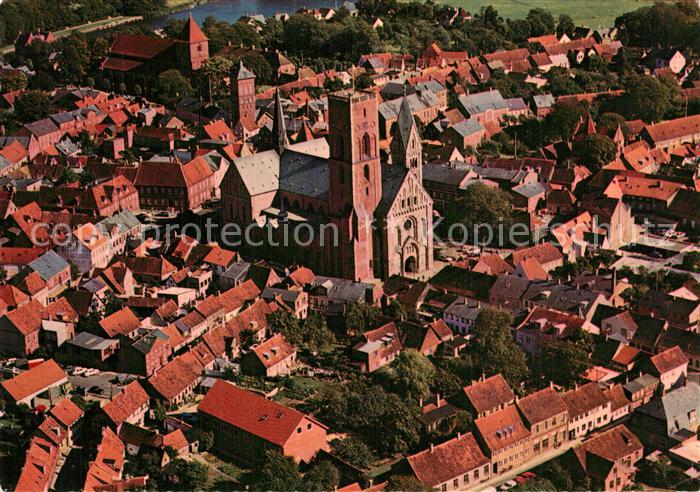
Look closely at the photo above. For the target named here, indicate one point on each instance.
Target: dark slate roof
(48, 265)
(304, 174)
(675, 407)
(392, 179)
(482, 101)
(244, 73)
(444, 174)
(468, 127)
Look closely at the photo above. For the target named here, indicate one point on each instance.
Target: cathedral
(380, 213)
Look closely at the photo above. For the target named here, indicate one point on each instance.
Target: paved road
(102, 380)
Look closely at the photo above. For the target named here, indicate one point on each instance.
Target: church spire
(406, 147)
(279, 129)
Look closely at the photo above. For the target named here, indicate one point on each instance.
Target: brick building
(246, 425)
(173, 186)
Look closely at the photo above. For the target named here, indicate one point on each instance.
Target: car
(528, 475)
(78, 371)
(91, 372)
(508, 485)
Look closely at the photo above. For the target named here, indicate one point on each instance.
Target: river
(232, 10)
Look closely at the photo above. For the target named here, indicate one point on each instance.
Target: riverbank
(98, 25)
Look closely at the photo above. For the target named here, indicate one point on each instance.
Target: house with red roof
(246, 425)
(589, 409)
(273, 357)
(378, 348)
(68, 415)
(457, 464)
(174, 186)
(505, 439)
(122, 323)
(47, 381)
(38, 472)
(672, 133)
(670, 366)
(20, 329)
(609, 458)
(130, 405)
(486, 396)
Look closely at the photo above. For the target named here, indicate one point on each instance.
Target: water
(232, 10)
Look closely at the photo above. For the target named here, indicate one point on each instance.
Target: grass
(593, 13)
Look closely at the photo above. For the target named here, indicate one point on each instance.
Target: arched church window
(366, 146)
(366, 172)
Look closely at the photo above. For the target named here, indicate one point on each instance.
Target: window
(455, 482)
(465, 478)
(366, 146)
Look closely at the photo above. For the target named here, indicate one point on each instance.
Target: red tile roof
(541, 405)
(273, 350)
(451, 459)
(177, 376)
(252, 413)
(123, 322)
(26, 318)
(669, 359)
(192, 32)
(502, 428)
(543, 253)
(15, 152)
(126, 403)
(673, 129)
(107, 466)
(139, 46)
(584, 399)
(18, 256)
(489, 393)
(67, 412)
(35, 380)
(38, 467)
(220, 257)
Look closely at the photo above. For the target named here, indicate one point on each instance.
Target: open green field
(593, 13)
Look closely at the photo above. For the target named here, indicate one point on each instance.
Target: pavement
(103, 380)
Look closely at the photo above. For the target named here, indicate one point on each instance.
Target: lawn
(593, 13)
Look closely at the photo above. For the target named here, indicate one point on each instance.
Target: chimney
(432, 447)
(551, 384)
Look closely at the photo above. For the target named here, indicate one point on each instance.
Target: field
(593, 13)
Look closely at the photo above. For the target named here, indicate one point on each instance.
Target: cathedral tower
(243, 98)
(355, 178)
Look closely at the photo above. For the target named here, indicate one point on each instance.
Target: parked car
(91, 372)
(508, 485)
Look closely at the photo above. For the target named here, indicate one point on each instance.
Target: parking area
(105, 384)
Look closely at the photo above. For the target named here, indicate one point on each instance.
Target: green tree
(495, 349)
(210, 77)
(661, 474)
(564, 361)
(361, 318)
(160, 412)
(277, 472)
(648, 98)
(352, 450)
(565, 25)
(192, 475)
(322, 476)
(691, 261)
(32, 106)
(172, 85)
(12, 81)
(406, 483)
(597, 150)
(561, 123)
(479, 205)
(87, 178)
(413, 374)
(537, 484)
(396, 310)
(541, 22)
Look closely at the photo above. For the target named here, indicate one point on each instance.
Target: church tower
(197, 45)
(406, 147)
(355, 179)
(243, 98)
(279, 128)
